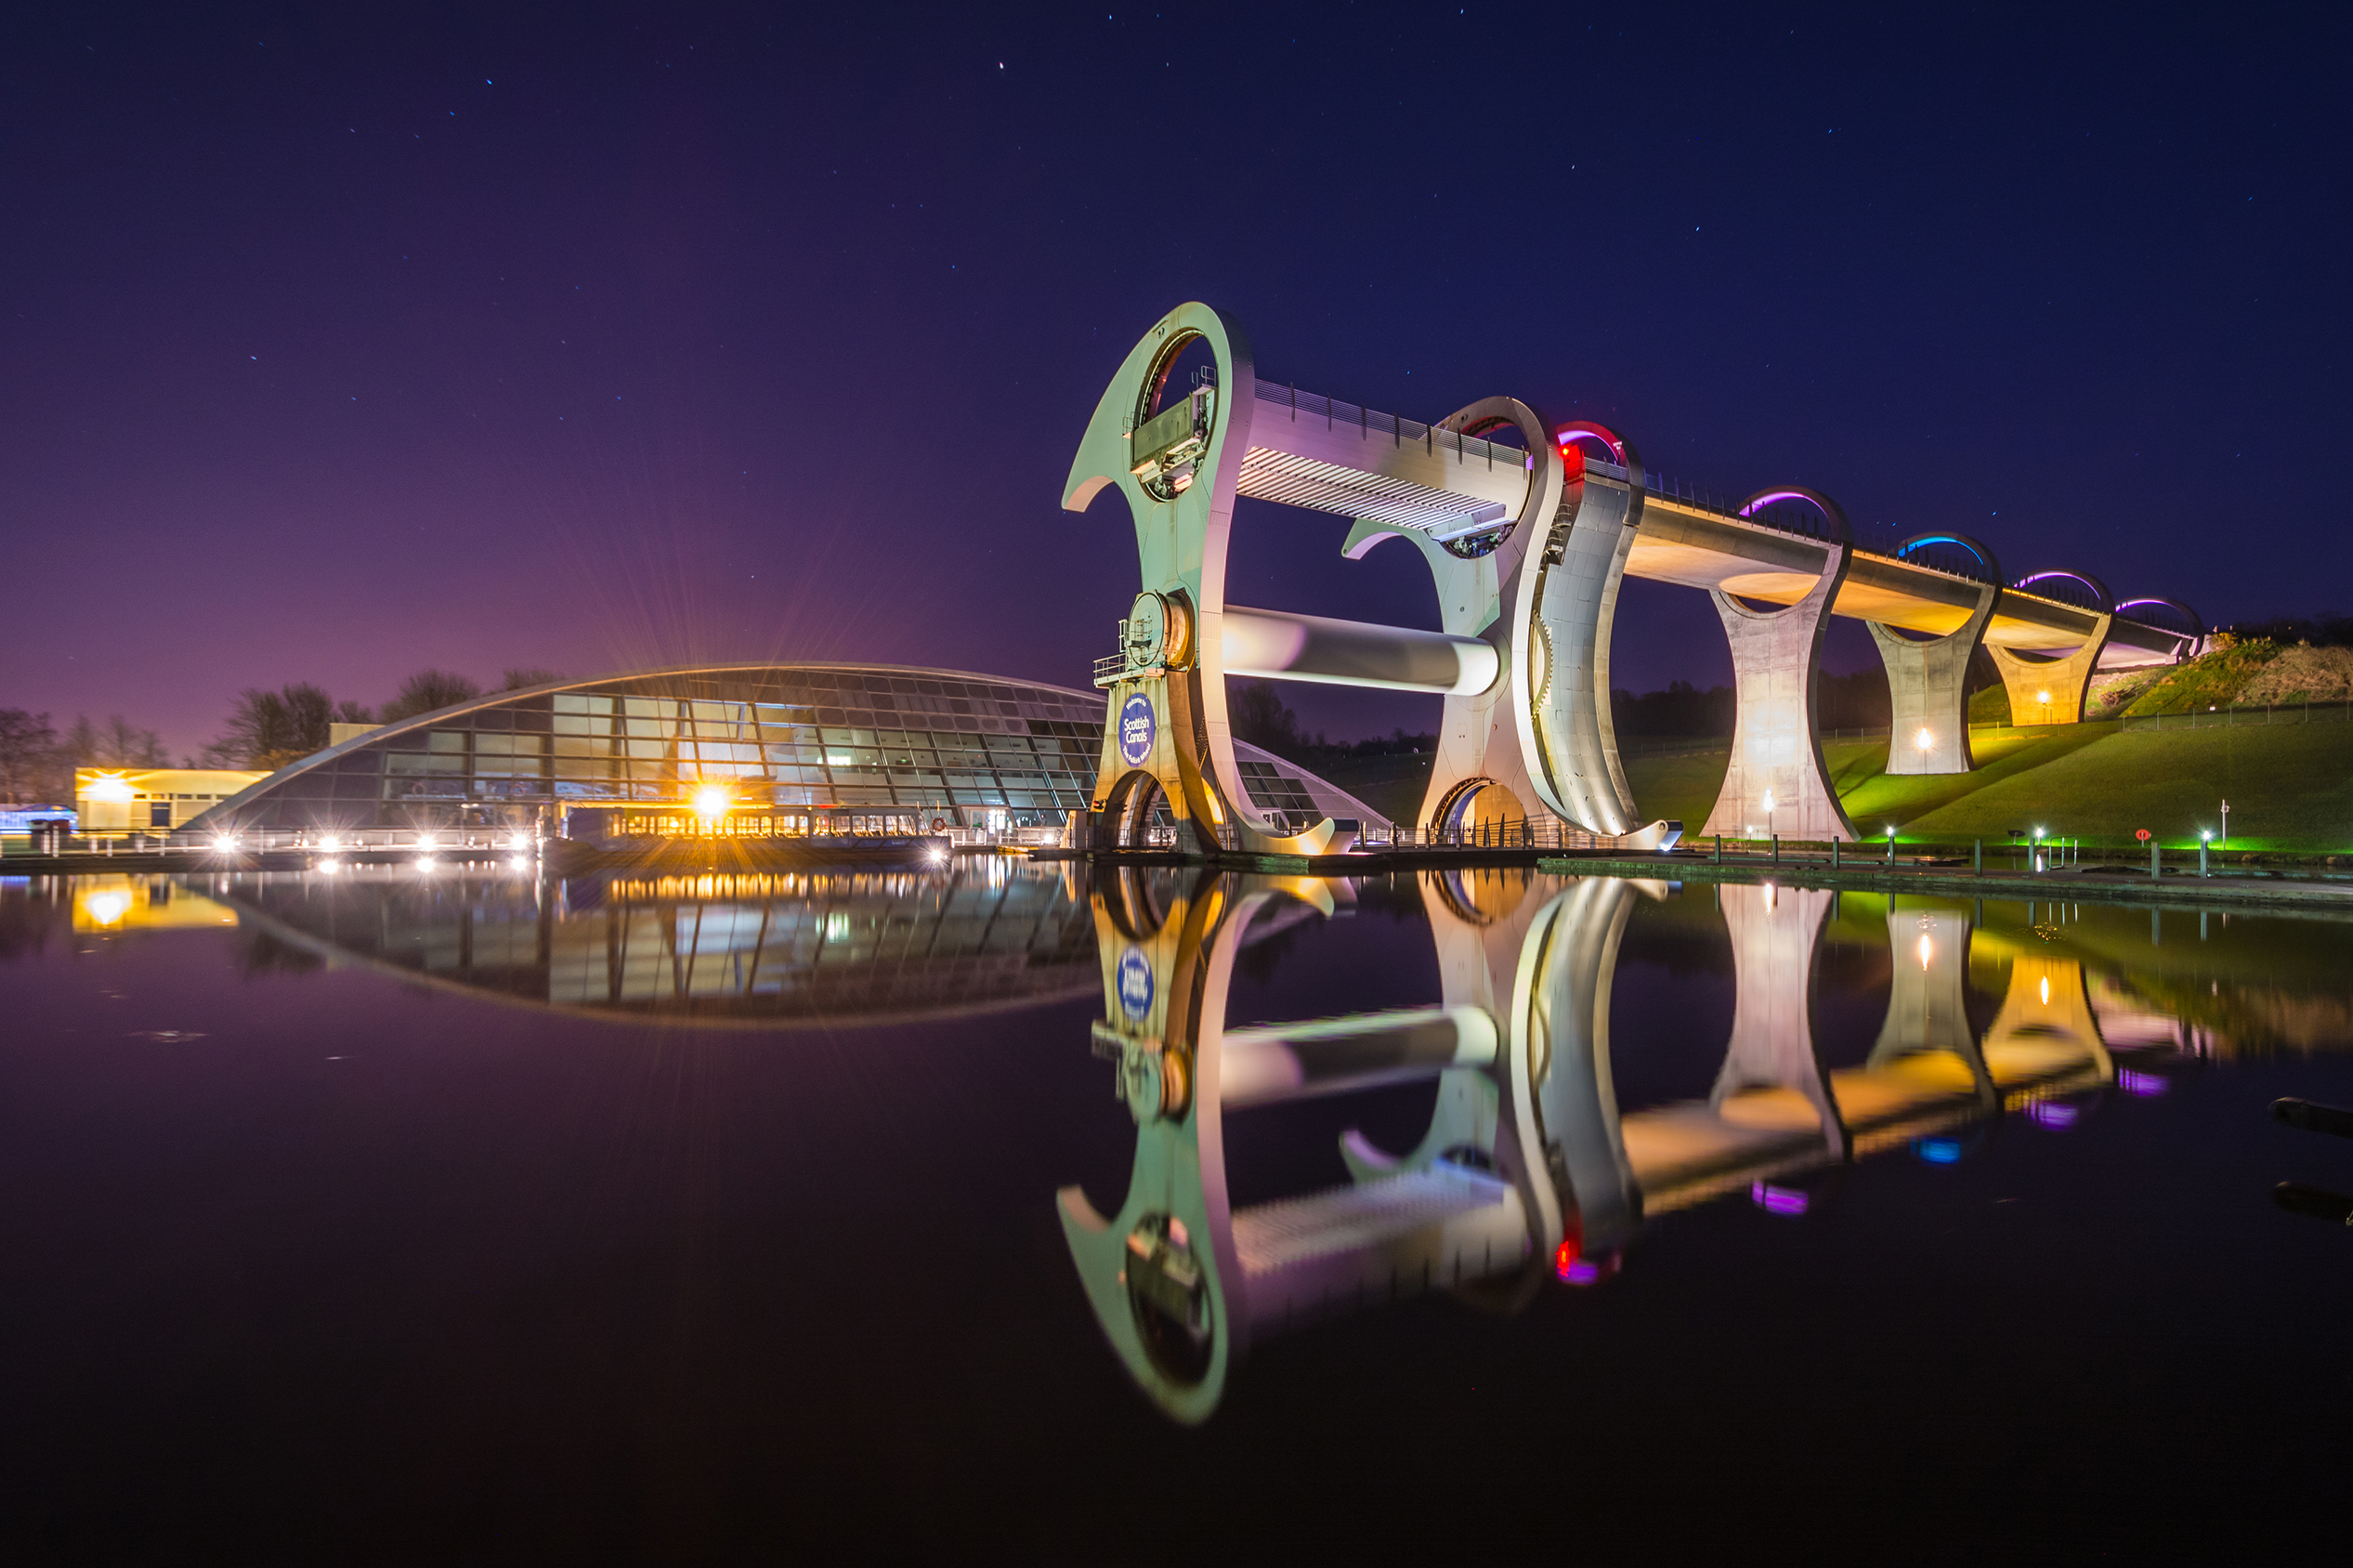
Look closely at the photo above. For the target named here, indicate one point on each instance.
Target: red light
(1565, 1257)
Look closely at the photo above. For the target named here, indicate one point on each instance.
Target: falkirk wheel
(1528, 1169)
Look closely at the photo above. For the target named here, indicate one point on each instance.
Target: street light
(1769, 813)
(1925, 741)
(2225, 836)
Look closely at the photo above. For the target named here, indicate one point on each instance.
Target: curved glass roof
(949, 745)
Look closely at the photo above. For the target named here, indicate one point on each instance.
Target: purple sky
(338, 346)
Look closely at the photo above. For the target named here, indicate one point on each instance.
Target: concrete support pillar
(1928, 682)
(1927, 997)
(2051, 691)
(1771, 1075)
(1776, 742)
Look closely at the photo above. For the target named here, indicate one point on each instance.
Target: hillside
(2290, 785)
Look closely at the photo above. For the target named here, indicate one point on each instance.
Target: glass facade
(965, 750)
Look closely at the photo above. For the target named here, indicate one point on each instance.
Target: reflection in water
(1530, 1167)
(753, 950)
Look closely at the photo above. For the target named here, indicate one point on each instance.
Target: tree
(269, 729)
(1262, 718)
(427, 691)
(116, 743)
(350, 713)
(515, 680)
(27, 748)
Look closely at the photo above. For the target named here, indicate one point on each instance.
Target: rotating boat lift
(1528, 1169)
(1527, 540)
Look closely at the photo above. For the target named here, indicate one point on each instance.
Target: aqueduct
(1528, 528)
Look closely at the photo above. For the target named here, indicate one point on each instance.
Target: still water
(466, 1214)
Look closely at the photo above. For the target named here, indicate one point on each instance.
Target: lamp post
(2205, 837)
(2038, 849)
(2224, 835)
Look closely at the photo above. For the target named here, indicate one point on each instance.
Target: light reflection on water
(1322, 1096)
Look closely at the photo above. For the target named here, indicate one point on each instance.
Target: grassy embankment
(2290, 785)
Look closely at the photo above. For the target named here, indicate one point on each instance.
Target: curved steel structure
(1528, 531)
(2197, 623)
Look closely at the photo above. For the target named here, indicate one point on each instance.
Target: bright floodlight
(224, 842)
(113, 787)
(711, 801)
(425, 840)
(2042, 696)
(1769, 800)
(331, 843)
(1925, 741)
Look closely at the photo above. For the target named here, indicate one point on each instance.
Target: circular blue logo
(1138, 729)
(1135, 983)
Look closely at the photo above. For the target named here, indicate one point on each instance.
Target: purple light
(2052, 1114)
(2147, 1085)
(2099, 589)
(1586, 430)
(1768, 497)
(1777, 1200)
(1580, 1273)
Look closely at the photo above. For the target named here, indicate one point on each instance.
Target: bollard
(1776, 849)
(2201, 860)
(1834, 854)
(2153, 867)
(1720, 849)
(1977, 857)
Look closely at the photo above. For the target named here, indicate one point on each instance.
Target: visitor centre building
(869, 747)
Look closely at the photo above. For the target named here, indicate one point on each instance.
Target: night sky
(339, 344)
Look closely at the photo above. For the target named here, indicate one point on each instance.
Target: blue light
(1938, 1151)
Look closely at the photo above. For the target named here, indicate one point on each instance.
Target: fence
(211, 846)
(2235, 717)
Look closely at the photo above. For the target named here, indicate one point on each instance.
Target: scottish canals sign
(1137, 730)
(1136, 984)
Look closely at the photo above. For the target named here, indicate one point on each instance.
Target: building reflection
(1529, 1169)
(755, 951)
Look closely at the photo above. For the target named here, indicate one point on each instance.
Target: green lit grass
(2290, 787)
